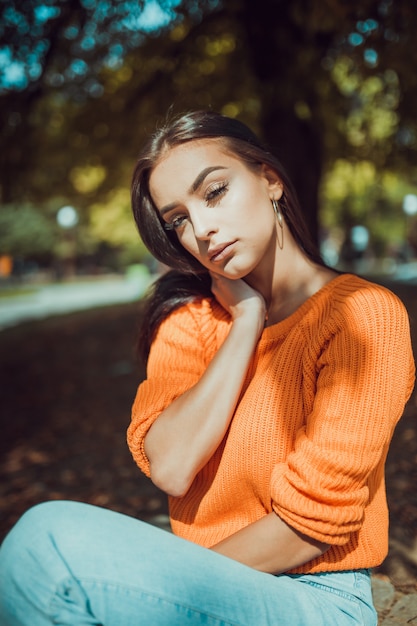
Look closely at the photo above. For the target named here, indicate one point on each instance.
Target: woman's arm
(270, 545)
(188, 432)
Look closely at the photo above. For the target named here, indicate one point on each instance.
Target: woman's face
(220, 209)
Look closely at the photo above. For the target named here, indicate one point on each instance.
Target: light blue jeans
(74, 564)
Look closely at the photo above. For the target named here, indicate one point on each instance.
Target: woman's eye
(215, 192)
(176, 223)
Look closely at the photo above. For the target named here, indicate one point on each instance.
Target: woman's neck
(289, 300)
(293, 279)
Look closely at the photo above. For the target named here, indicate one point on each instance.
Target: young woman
(273, 388)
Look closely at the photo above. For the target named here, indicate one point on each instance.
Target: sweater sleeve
(364, 377)
(178, 357)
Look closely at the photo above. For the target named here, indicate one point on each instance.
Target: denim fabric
(74, 564)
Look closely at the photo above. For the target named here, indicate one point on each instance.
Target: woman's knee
(37, 522)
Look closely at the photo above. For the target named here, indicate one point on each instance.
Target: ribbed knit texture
(310, 435)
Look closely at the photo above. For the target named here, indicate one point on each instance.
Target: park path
(54, 299)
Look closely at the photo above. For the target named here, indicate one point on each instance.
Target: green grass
(12, 292)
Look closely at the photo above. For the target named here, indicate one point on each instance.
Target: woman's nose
(203, 226)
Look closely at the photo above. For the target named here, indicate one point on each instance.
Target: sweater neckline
(282, 327)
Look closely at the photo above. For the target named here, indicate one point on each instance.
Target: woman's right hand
(239, 298)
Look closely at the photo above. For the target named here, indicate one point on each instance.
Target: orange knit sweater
(310, 434)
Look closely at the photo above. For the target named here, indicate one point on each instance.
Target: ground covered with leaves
(66, 389)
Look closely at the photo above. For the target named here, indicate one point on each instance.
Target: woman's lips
(219, 253)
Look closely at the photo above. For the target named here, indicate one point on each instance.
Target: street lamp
(410, 204)
(67, 219)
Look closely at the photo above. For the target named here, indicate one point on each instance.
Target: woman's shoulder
(356, 291)
(192, 332)
(200, 311)
(350, 299)
(174, 298)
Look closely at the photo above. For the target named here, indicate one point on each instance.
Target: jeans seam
(357, 600)
(150, 594)
(338, 592)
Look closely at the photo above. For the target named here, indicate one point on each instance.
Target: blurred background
(330, 85)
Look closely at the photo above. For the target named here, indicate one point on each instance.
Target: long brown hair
(191, 278)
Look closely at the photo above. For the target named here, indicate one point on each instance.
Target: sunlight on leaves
(112, 221)
(87, 179)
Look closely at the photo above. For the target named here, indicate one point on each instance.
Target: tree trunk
(274, 41)
(299, 150)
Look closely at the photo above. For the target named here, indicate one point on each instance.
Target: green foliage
(24, 231)
(111, 222)
(356, 193)
(328, 82)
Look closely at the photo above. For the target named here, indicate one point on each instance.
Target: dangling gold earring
(278, 215)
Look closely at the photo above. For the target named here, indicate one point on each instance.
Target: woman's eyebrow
(196, 185)
(202, 175)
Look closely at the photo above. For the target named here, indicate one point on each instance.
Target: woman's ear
(275, 186)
